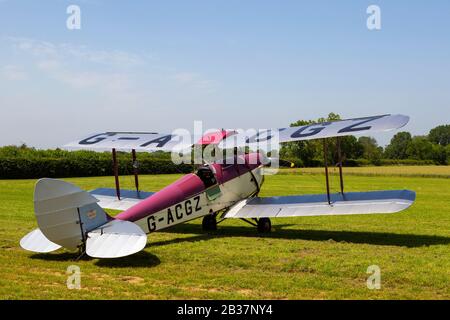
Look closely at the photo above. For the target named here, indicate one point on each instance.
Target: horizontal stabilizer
(36, 241)
(316, 205)
(108, 198)
(115, 239)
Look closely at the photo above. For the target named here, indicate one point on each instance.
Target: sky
(161, 65)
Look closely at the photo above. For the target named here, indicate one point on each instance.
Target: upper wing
(317, 205)
(318, 130)
(148, 141)
(126, 141)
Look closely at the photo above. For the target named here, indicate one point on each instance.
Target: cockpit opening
(207, 176)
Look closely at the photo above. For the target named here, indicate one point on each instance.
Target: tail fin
(67, 215)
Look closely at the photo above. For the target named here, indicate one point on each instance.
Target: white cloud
(194, 80)
(185, 77)
(104, 82)
(106, 72)
(37, 48)
(96, 89)
(118, 58)
(12, 72)
(45, 49)
(82, 67)
(48, 65)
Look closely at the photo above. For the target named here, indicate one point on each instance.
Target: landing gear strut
(264, 225)
(81, 251)
(209, 222)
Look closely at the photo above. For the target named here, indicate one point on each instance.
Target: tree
(350, 149)
(371, 150)
(304, 150)
(312, 150)
(440, 135)
(440, 154)
(397, 148)
(447, 151)
(420, 148)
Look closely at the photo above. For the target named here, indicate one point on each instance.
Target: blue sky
(160, 65)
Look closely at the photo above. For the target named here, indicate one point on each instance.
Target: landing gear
(209, 223)
(81, 251)
(264, 225)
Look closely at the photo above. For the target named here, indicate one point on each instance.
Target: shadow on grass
(359, 237)
(140, 259)
(148, 260)
(60, 256)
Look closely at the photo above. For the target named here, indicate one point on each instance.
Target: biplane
(75, 219)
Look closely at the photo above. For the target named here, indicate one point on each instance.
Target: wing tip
(404, 120)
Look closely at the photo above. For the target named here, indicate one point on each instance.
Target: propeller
(281, 162)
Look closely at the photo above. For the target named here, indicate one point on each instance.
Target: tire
(209, 223)
(264, 225)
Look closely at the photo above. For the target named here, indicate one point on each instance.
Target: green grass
(303, 258)
(400, 171)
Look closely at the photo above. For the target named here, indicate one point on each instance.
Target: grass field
(303, 258)
(401, 171)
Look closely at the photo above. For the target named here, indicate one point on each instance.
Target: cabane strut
(135, 170)
(341, 179)
(116, 172)
(325, 162)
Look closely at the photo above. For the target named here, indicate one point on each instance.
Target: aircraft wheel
(209, 223)
(264, 225)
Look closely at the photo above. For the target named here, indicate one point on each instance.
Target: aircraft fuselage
(194, 196)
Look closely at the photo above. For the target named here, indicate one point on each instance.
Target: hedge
(393, 162)
(29, 168)
(358, 163)
(22, 168)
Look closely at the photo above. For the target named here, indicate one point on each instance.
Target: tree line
(403, 149)
(23, 162)
(433, 148)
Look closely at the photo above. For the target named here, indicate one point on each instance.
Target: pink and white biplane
(75, 219)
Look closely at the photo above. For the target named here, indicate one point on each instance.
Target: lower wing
(108, 198)
(317, 205)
